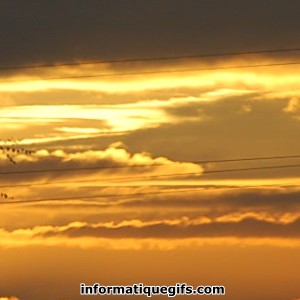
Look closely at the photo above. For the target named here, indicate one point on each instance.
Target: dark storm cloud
(219, 202)
(233, 106)
(228, 131)
(219, 130)
(232, 127)
(143, 204)
(245, 228)
(67, 30)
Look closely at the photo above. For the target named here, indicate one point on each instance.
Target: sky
(114, 164)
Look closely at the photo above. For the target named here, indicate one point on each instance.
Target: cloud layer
(81, 31)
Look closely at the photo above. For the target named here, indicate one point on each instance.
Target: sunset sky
(127, 181)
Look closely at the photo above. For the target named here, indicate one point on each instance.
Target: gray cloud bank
(68, 30)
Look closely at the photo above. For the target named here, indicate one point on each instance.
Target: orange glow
(139, 170)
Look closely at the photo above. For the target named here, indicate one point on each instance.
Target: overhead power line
(126, 195)
(149, 177)
(147, 59)
(207, 172)
(155, 72)
(241, 159)
(90, 197)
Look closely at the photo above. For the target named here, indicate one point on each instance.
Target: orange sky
(138, 197)
(231, 229)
